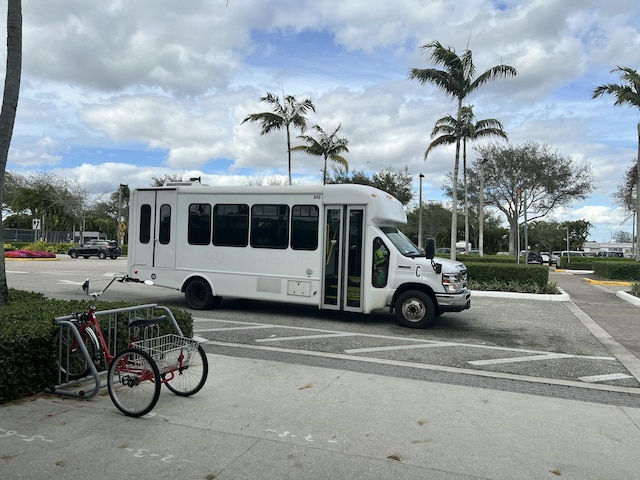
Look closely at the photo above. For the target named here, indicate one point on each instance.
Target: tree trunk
(637, 239)
(466, 195)
(454, 186)
(8, 115)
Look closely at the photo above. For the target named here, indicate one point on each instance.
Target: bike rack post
(65, 322)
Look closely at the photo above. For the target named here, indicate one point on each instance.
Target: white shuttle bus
(334, 246)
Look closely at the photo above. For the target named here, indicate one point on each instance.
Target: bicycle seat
(146, 322)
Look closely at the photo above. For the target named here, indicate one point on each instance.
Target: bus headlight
(453, 282)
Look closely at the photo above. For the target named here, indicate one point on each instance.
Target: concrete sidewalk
(267, 420)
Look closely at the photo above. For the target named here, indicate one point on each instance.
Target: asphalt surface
(273, 415)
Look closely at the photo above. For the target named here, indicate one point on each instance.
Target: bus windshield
(401, 242)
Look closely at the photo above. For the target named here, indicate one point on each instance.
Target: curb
(562, 297)
(628, 297)
(611, 283)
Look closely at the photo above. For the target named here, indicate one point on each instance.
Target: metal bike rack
(88, 387)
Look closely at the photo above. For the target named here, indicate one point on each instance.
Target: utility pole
(420, 214)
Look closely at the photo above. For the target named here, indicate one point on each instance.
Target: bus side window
(269, 226)
(304, 227)
(199, 224)
(230, 225)
(145, 223)
(165, 224)
(380, 263)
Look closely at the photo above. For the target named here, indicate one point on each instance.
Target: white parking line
(533, 358)
(395, 347)
(604, 378)
(307, 337)
(530, 358)
(231, 329)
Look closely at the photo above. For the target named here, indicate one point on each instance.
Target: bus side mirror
(430, 248)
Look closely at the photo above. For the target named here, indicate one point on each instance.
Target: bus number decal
(317, 196)
(418, 271)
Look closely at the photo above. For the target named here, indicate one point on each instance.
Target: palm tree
(445, 133)
(328, 146)
(627, 93)
(8, 114)
(457, 80)
(284, 115)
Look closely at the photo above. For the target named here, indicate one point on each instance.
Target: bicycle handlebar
(119, 278)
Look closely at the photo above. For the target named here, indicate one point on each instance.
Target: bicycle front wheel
(134, 382)
(189, 379)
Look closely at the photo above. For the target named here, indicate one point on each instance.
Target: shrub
(618, 270)
(28, 353)
(28, 254)
(482, 272)
(513, 286)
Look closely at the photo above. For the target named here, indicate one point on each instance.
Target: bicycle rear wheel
(134, 382)
(72, 362)
(190, 379)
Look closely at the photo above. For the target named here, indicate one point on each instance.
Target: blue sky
(117, 92)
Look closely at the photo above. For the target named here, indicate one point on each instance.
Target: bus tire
(198, 295)
(415, 309)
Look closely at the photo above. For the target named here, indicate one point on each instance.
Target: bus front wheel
(199, 296)
(415, 309)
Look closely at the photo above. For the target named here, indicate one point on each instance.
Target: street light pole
(420, 213)
(120, 229)
(481, 210)
(119, 214)
(526, 232)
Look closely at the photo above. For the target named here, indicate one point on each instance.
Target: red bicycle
(134, 375)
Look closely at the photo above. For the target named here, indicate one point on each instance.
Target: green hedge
(487, 272)
(629, 270)
(611, 268)
(28, 352)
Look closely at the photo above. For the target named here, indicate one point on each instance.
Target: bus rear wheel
(415, 309)
(198, 295)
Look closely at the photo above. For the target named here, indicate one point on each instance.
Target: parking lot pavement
(616, 322)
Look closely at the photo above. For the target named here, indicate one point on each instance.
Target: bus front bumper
(454, 302)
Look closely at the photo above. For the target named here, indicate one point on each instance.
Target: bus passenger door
(343, 258)
(155, 242)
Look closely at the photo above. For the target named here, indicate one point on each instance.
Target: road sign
(36, 224)
(123, 227)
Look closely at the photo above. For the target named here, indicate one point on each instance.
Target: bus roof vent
(183, 184)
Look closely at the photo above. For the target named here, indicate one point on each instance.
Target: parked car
(545, 257)
(554, 258)
(532, 257)
(96, 248)
(611, 254)
(564, 253)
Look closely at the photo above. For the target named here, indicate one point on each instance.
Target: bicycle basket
(170, 352)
